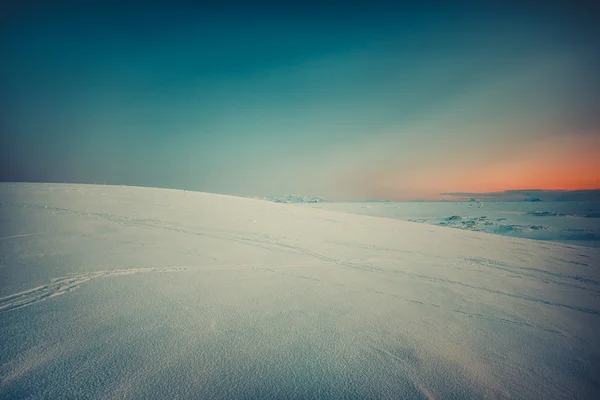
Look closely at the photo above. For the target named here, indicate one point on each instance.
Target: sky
(342, 100)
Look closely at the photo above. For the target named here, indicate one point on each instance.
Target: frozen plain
(125, 292)
(567, 222)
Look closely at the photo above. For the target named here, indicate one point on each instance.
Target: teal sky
(340, 101)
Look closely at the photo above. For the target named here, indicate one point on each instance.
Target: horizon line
(460, 195)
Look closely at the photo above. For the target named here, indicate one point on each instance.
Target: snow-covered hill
(121, 292)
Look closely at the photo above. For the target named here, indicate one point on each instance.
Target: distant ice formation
(539, 213)
(294, 198)
(482, 224)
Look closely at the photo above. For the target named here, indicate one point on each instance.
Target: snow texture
(126, 292)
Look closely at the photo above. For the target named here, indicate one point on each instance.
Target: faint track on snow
(213, 233)
(18, 236)
(522, 324)
(65, 284)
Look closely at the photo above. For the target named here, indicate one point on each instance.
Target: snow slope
(113, 292)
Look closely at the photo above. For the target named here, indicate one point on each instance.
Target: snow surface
(126, 292)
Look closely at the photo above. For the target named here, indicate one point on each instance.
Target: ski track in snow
(62, 285)
(18, 236)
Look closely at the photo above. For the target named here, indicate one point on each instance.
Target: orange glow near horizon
(556, 164)
(576, 174)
